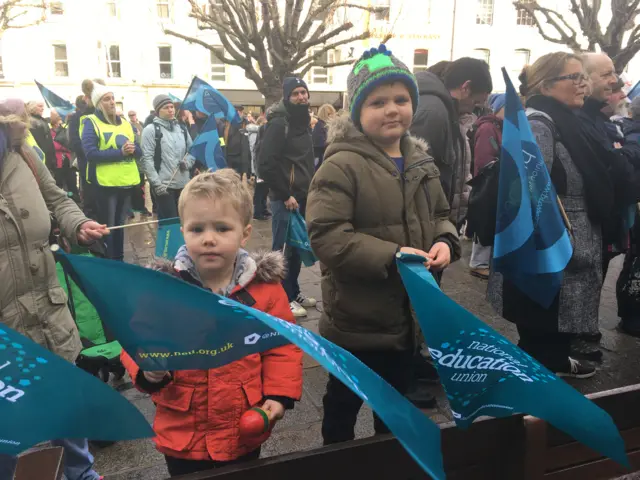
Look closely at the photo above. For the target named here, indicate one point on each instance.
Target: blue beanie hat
(497, 101)
(377, 67)
(290, 84)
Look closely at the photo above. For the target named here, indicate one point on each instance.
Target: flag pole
(119, 227)
(565, 218)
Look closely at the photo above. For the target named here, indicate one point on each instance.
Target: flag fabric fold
(43, 397)
(532, 246)
(485, 374)
(297, 237)
(60, 105)
(206, 148)
(167, 324)
(169, 238)
(203, 98)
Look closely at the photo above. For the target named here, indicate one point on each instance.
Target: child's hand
(415, 251)
(155, 377)
(274, 410)
(439, 257)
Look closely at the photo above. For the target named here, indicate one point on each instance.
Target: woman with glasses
(554, 88)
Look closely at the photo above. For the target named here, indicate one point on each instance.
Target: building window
(56, 8)
(383, 6)
(420, 60)
(218, 68)
(322, 74)
(520, 59)
(484, 14)
(166, 70)
(163, 8)
(524, 17)
(482, 54)
(113, 62)
(112, 8)
(60, 60)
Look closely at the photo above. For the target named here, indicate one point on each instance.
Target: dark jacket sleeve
(271, 152)
(245, 154)
(432, 124)
(74, 134)
(485, 149)
(90, 144)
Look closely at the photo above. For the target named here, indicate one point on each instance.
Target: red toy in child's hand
(254, 422)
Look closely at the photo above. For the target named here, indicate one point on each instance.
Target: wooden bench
(45, 464)
(554, 455)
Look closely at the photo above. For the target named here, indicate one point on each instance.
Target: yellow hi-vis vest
(112, 137)
(33, 144)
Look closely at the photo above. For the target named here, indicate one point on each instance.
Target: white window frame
(420, 67)
(164, 62)
(383, 16)
(485, 11)
(112, 9)
(318, 74)
(482, 54)
(111, 62)
(64, 61)
(161, 4)
(525, 19)
(217, 71)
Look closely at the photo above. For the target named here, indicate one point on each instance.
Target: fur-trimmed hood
(343, 135)
(262, 267)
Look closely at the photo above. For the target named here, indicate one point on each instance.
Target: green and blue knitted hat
(376, 67)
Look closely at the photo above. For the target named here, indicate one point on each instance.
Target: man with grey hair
(623, 159)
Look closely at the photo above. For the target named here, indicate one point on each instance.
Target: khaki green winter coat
(31, 299)
(360, 211)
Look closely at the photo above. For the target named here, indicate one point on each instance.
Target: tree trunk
(272, 94)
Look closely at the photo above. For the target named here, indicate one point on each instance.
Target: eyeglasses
(576, 78)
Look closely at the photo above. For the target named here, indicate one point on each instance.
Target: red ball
(254, 422)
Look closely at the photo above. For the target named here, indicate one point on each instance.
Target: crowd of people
(388, 174)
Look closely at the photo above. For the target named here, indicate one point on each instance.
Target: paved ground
(300, 430)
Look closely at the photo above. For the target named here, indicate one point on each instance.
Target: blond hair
(325, 112)
(223, 184)
(534, 77)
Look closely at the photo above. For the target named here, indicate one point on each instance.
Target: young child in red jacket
(198, 411)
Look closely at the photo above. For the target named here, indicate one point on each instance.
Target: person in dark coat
(486, 149)
(42, 133)
(623, 159)
(463, 85)
(238, 150)
(286, 162)
(319, 135)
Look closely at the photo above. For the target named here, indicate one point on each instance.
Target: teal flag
(167, 324)
(485, 374)
(43, 397)
(169, 238)
(297, 237)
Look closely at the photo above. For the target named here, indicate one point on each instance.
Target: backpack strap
(157, 154)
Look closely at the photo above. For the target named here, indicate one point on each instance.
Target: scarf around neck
(597, 182)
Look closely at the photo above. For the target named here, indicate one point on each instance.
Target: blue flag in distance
(167, 324)
(297, 237)
(206, 147)
(169, 238)
(203, 98)
(60, 105)
(485, 374)
(532, 246)
(44, 397)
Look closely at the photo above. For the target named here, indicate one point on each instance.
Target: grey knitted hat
(377, 67)
(161, 101)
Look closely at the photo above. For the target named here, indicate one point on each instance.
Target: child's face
(386, 113)
(213, 232)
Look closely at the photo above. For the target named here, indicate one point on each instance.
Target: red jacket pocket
(175, 421)
(253, 391)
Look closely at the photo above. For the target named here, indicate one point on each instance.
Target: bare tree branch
(12, 10)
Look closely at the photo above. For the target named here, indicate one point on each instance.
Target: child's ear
(246, 235)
